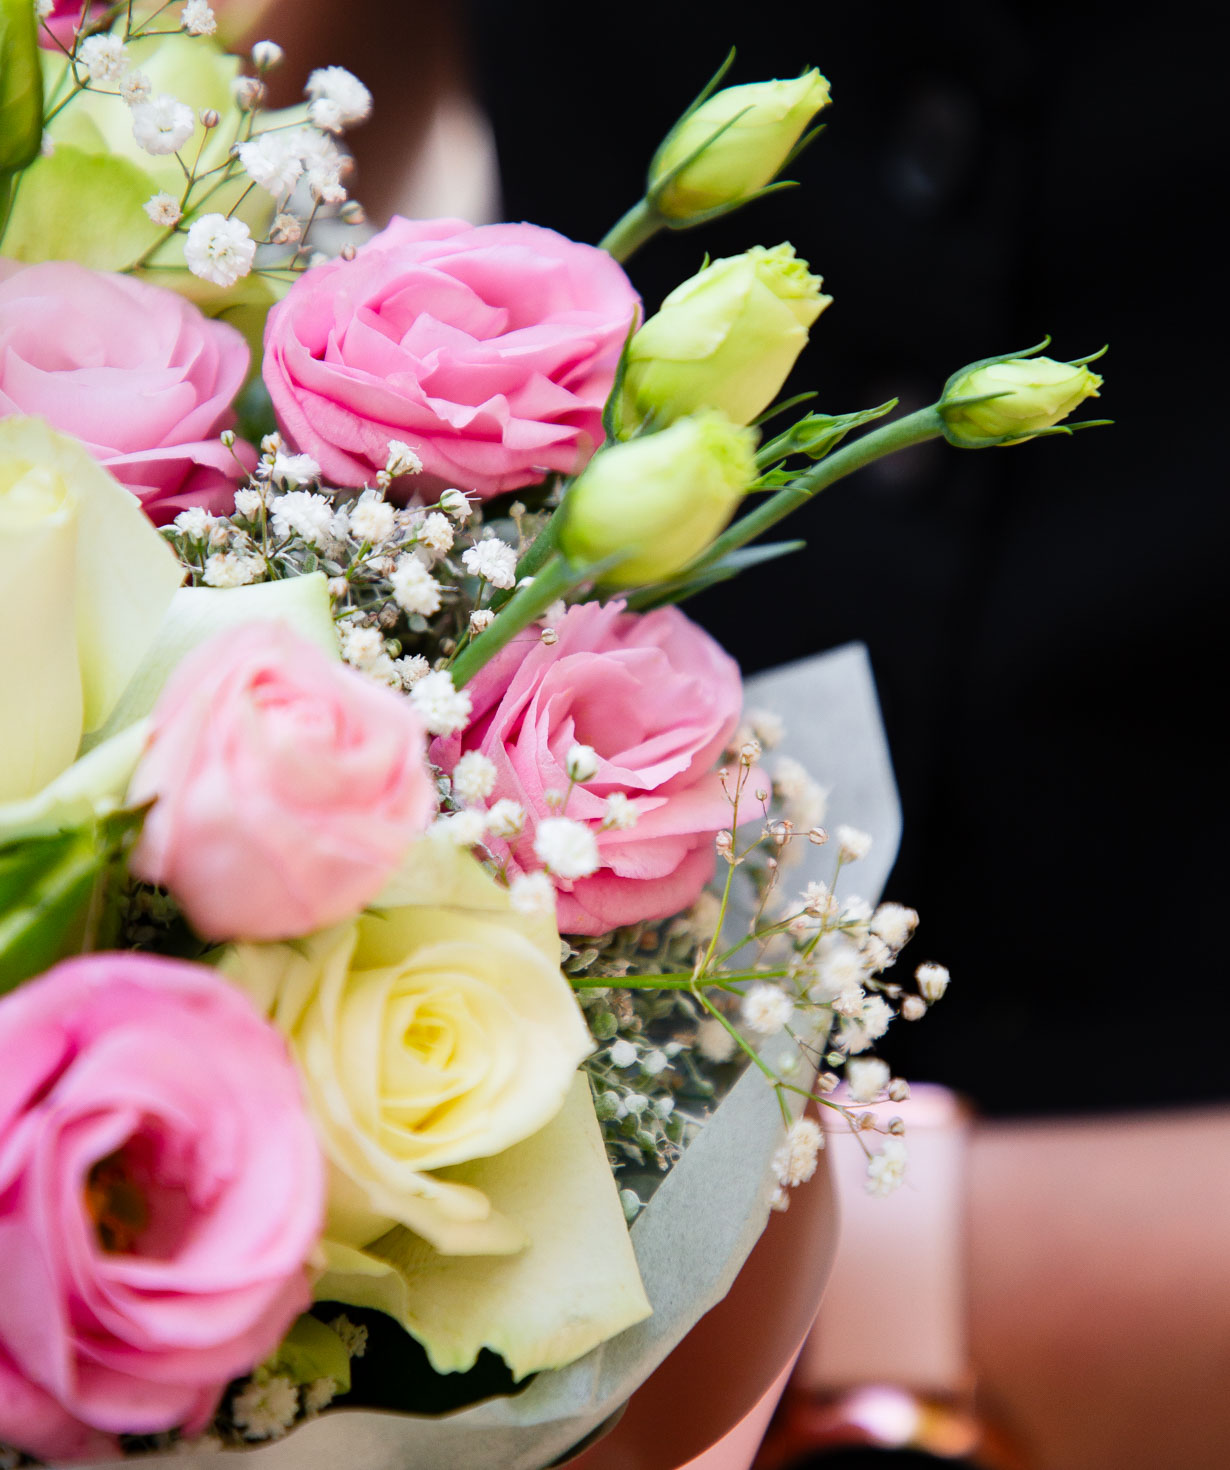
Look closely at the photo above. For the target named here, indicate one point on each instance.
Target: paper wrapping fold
(695, 1234)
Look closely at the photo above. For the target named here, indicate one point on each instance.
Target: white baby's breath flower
(913, 1008)
(455, 504)
(218, 249)
(462, 829)
(295, 469)
(415, 590)
(492, 560)
(886, 1170)
(767, 727)
(794, 1162)
(136, 88)
(444, 709)
(436, 532)
(532, 893)
(194, 522)
(353, 1335)
(400, 459)
(713, 1041)
(856, 913)
(569, 849)
(248, 502)
(43, 10)
(164, 124)
(875, 1017)
(197, 18)
(480, 620)
(894, 924)
(266, 55)
(838, 967)
(163, 210)
(866, 1077)
(350, 101)
(103, 58)
(372, 518)
(622, 1053)
(854, 843)
(361, 647)
(654, 1062)
(233, 569)
(318, 1395)
(581, 763)
(411, 668)
(272, 161)
(766, 1008)
(506, 818)
(474, 776)
(932, 981)
(620, 813)
(266, 1408)
(303, 513)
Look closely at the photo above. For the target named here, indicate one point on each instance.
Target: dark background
(1041, 619)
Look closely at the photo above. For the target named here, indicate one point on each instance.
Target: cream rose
(84, 583)
(434, 1031)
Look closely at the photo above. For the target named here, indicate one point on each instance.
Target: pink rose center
(138, 1200)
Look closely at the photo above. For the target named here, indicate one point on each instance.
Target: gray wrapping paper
(700, 1226)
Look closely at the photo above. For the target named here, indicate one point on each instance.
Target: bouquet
(421, 964)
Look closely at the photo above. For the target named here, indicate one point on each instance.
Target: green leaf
(21, 87)
(311, 1350)
(87, 207)
(46, 885)
(730, 566)
(818, 434)
(574, 1286)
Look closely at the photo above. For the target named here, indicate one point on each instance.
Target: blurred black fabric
(1043, 620)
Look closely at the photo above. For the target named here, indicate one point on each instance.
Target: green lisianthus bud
(766, 120)
(661, 499)
(725, 339)
(1031, 394)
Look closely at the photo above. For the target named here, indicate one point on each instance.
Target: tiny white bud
(913, 1008)
(266, 55)
(932, 981)
(582, 763)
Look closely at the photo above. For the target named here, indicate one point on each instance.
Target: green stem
(525, 606)
(641, 223)
(914, 428)
(672, 980)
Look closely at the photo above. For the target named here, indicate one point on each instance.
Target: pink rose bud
(134, 371)
(286, 786)
(489, 351)
(161, 1189)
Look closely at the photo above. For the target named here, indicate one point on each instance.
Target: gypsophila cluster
(295, 160)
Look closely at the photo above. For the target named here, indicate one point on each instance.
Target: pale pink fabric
(134, 371)
(286, 786)
(489, 351)
(657, 699)
(166, 1068)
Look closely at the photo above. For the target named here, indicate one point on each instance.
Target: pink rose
(134, 371)
(489, 351)
(657, 699)
(160, 1191)
(286, 786)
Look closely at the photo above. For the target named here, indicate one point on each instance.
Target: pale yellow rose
(84, 582)
(1019, 397)
(658, 500)
(725, 339)
(741, 137)
(434, 1031)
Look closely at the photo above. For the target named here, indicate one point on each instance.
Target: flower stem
(641, 223)
(526, 605)
(914, 428)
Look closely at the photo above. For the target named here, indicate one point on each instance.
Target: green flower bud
(726, 339)
(660, 499)
(1030, 394)
(766, 120)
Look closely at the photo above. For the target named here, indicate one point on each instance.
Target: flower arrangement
(394, 894)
